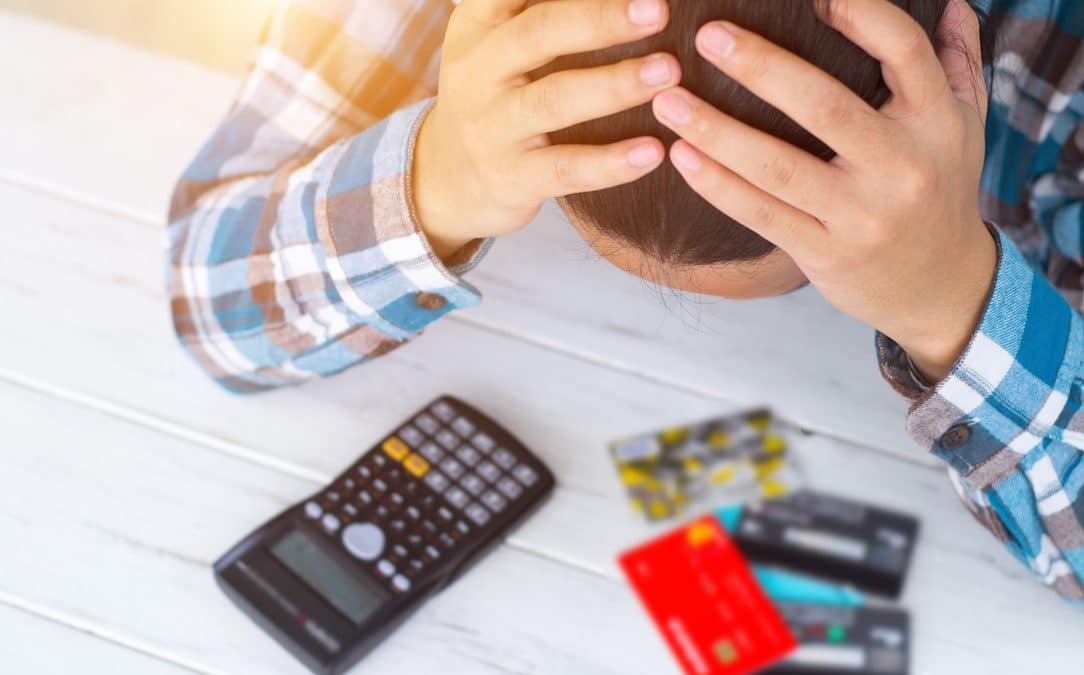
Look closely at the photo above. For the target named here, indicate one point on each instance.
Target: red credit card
(705, 601)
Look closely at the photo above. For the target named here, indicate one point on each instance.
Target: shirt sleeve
(1007, 421)
(294, 248)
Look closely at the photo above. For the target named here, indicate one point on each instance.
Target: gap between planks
(156, 222)
(241, 452)
(89, 628)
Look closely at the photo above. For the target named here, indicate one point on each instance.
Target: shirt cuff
(379, 256)
(1010, 387)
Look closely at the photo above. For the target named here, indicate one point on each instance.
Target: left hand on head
(889, 231)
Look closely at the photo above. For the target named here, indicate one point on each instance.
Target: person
(335, 211)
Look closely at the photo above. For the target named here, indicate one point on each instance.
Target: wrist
(940, 340)
(437, 213)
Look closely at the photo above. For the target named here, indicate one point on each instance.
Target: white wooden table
(124, 472)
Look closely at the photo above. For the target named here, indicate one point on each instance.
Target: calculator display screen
(304, 557)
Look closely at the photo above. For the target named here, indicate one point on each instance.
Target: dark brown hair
(660, 214)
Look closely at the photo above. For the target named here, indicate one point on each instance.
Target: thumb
(959, 51)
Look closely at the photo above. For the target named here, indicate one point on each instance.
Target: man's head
(657, 227)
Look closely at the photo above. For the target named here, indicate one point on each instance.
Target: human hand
(483, 165)
(889, 231)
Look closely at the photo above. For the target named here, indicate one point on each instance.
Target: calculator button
(349, 485)
(380, 485)
(484, 443)
(385, 567)
(478, 513)
(430, 527)
(411, 435)
(313, 510)
(445, 513)
(333, 497)
(363, 540)
(415, 539)
(525, 475)
(473, 484)
(443, 410)
(468, 455)
(413, 513)
(447, 540)
(427, 423)
(382, 511)
(448, 439)
(489, 471)
(398, 525)
(393, 475)
(400, 583)
(429, 501)
(432, 552)
(396, 499)
(350, 510)
(395, 448)
(365, 472)
(462, 529)
(463, 427)
(416, 565)
(494, 501)
(431, 451)
(510, 488)
(330, 523)
(400, 551)
(416, 465)
(364, 497)
(451, 467)
(380, 461)
(506, 459)
(436, 481)
(457, 497)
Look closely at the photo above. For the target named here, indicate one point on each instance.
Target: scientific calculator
(330, 577)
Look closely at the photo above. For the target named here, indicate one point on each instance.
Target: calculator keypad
(412, 500)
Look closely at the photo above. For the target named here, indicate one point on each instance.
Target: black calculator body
(330, 577)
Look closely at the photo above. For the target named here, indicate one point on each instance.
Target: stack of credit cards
(734, 457)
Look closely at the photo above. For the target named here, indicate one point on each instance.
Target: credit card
(727, 459)
(703, 598)
(822, 535)
(837, 640)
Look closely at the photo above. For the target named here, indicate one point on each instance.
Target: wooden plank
(92, 327)
(100, 122)
(33, 645)
(117, 524)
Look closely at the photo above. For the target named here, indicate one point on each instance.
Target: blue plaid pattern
(1007, 419)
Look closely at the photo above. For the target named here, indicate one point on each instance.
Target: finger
(569, 97)
(559, 170)
(791, 229)
(960, 54)
(890, 35)
(773, 165)
(491, 12)
(818, 102)
(554, 28)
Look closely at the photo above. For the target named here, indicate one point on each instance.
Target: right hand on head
(482, 163)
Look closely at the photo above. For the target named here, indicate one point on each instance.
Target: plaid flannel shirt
(295, 251)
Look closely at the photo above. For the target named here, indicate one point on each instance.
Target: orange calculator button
(396, 449)
(416, 465)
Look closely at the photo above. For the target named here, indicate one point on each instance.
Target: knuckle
(564, 171)
(530, 31)
(750, 60)
(547, 99)
(912, 45)
(915, 184)
(764, 215)
(781, 170)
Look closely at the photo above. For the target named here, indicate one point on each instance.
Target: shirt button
(430, 301)
(955, 437)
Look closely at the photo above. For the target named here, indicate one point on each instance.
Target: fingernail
(673, 108)
(645, 12)
(655, 72)
(644, 155)
(685, 158)
(716, 40)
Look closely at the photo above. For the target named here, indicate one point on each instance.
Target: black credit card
(822, 535)
(835, 639)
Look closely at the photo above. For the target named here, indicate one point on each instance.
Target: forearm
(1005, 418)
(310, 269)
